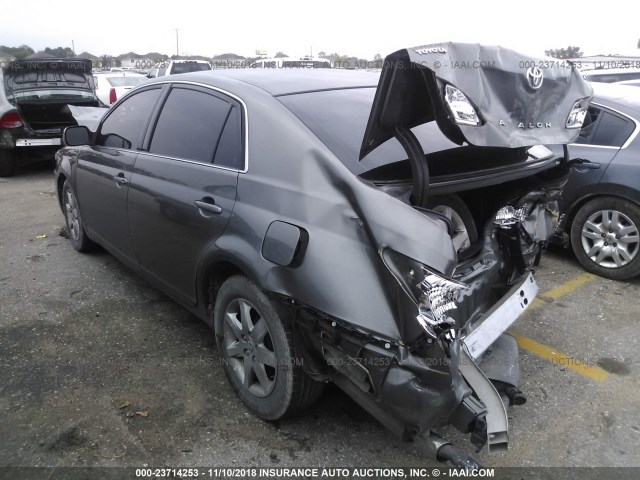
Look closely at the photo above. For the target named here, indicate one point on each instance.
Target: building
(95, 61)
(133, 60)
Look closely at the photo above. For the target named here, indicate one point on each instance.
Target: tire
(7, 163)
(451, 206)
(604, 237)
(255, 344)
(75, 227)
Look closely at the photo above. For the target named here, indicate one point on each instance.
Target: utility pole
(177, 54)
(73, 47)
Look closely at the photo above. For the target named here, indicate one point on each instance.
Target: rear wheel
(7, 163)
(605, 237)
(255, 345)
(464, 227)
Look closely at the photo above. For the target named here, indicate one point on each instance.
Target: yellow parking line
(559, 358)
(549, 353)
(560, 291)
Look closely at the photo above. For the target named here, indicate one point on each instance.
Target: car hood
(22, 75)
(514, 110)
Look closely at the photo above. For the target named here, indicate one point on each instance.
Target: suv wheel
(604, 237)
(7, 163)
(255, 344)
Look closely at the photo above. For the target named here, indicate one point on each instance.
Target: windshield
(130, 81)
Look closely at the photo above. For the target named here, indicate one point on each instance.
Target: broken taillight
(11, 120)
(112, 96)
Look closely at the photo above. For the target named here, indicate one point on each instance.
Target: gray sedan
(294, 212)
(602, 205)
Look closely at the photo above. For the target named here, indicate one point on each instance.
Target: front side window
(123, 127)
(190, 125)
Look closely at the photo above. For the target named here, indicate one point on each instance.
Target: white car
(110, 86)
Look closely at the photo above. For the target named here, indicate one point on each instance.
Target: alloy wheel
(72, 215)
(249, 348)
(610, 238)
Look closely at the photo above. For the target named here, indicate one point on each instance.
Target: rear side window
(123, 127)
(190, 125)
(230, 152)
(612, 131)
(605, 129)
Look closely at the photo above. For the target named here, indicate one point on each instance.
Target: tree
(19, 52)
(60, 52)
(106, 60)
(281, 55)
(569, 52)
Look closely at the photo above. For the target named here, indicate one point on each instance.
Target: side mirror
(76, 136)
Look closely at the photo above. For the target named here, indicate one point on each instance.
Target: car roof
(286, 81)
(625, 98)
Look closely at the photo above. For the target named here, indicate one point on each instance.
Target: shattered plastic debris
(41, 236)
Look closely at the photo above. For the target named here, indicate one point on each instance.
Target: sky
(355, 28)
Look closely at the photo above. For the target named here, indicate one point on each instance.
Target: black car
(293, 211)
(602, 204)
(35, 95)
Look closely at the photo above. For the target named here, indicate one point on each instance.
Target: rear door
(603, 133)
(183, 187)
(104, 171)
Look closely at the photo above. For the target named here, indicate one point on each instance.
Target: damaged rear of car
(459, 126)
(34, 95)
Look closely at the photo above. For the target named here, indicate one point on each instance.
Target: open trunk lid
(518, 101)
(41, 89)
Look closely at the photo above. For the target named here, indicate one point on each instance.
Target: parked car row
(307, 217)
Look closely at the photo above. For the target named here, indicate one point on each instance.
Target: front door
(104, 172)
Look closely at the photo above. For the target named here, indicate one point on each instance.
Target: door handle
(120, 180)
(208, 204)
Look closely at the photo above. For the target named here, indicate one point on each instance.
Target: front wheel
(255, 344)
(75, 227)
(604, 237)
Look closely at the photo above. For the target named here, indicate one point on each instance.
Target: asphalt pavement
(98, 368)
